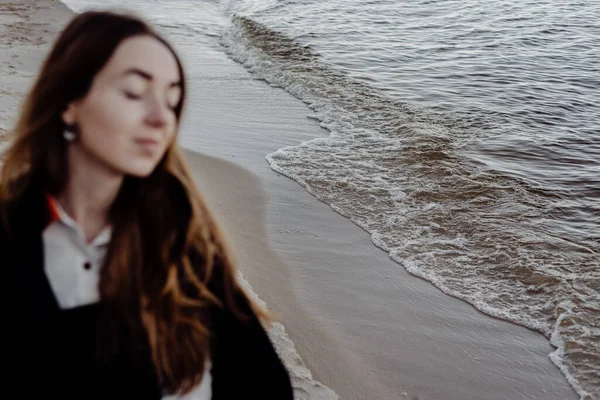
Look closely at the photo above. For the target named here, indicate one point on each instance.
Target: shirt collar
(58, 214)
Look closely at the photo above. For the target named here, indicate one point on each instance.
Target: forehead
(145, 53)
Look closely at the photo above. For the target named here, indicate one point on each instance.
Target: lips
(146, 141)
(148, 144)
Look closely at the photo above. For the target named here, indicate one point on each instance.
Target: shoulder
(25, 213)
(6, 215)
(243, 353)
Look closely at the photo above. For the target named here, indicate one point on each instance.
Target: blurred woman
(117, 283)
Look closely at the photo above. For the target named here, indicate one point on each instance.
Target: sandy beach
(361, 324)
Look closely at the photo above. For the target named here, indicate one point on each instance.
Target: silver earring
(69, 133)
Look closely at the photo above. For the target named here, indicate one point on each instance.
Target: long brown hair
(167, 264)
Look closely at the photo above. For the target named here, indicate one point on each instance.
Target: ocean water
(465, 138)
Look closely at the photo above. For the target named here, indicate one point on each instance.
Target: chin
(141, 170)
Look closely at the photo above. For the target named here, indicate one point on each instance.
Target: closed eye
(132, 96)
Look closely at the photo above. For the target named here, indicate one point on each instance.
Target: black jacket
(48, 352)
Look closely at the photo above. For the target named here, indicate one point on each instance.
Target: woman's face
(127, 120)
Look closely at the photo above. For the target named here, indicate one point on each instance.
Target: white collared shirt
(72, 266)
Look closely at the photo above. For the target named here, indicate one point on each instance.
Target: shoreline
(406, 338)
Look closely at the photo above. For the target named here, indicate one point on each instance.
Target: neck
(90, 191)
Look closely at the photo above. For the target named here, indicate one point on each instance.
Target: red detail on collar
(52, 209)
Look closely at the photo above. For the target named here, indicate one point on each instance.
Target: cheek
(173, 130)
(109, 122)
(109, 116)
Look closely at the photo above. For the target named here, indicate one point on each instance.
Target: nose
(157, 114)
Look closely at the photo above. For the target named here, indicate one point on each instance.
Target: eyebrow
(147, 76)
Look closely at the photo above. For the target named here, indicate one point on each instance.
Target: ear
(69, 114)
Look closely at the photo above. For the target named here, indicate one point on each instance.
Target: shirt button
(87, 266)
